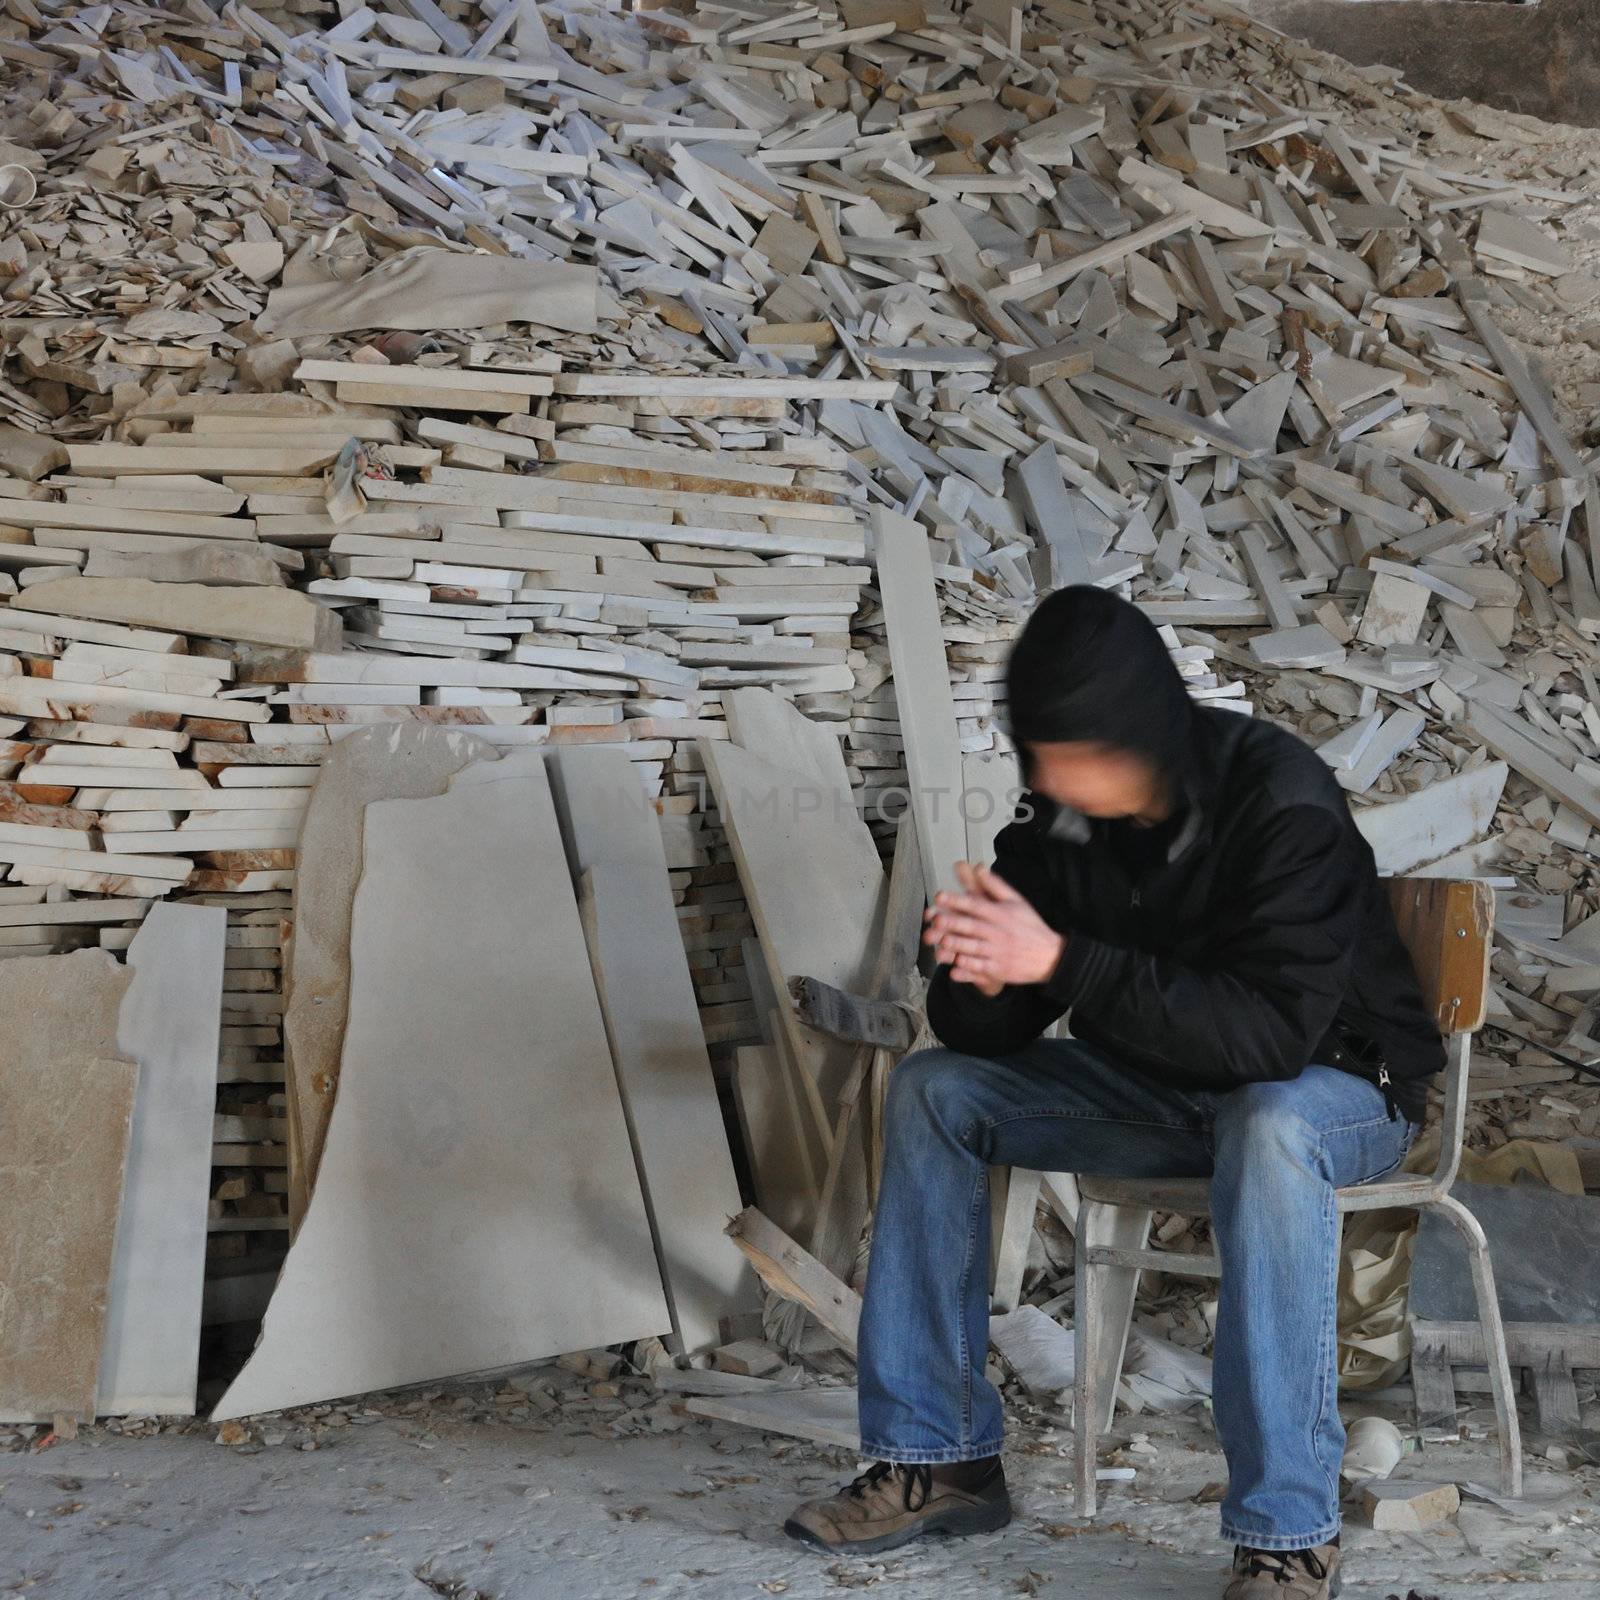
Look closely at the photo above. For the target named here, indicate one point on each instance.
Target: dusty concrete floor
(475, 1494)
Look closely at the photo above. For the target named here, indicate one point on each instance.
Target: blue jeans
(1275, 1153)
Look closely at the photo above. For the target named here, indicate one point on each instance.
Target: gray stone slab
(771, 727)
(1050, 511)
(815, 885)
(170, 1023)
(991, 786)
(478, 1205)
(664, 1074)
(1545, 1246)
(614, 845)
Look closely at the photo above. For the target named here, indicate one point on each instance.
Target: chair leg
(1104, 1313)
(1015, 1235)
(1494, 1342)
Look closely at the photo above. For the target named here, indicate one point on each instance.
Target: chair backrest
(1447, 924)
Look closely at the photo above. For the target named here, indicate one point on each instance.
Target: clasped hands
(988, 935)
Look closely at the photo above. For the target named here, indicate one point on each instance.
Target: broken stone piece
(1402, 1506)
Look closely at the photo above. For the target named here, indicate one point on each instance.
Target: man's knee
(928, 1085)
(1260, 1133)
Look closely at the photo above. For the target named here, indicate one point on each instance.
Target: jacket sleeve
(1274, 973)
(967, 1020)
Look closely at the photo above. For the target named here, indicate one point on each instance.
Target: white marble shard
(477, 1204)
(1434, 821)
(170, 1023)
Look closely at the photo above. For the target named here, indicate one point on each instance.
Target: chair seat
(1191, 1196)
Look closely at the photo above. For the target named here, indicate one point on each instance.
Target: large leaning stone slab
(815, 885)
(775, 729)
(664, 1074)
(922, 693)
(170, 1023)
(53, 1010)
(252, 615)
(56, 1007)
(63, 1136)
(477, 1204)
(991, 787)
(389, 762)
(615, 848)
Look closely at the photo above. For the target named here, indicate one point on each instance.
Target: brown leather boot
(1284, 1574)
(892, 1503)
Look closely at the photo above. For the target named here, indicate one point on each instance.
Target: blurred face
(1100, 780)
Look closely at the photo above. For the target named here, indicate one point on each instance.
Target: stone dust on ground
(537, 1486)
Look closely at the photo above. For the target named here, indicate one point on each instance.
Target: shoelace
(916, 1477)
(1276, 1564)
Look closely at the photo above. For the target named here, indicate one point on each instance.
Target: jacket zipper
(1385, 1084)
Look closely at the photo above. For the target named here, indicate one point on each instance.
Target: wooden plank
(797, 1275)
(1446, 925)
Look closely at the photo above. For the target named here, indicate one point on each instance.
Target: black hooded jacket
(1254, 939)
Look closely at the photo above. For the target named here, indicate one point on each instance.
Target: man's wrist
(1059, 950)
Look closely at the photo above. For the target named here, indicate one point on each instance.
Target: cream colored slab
(63, 1137)
(477, 1204)
(65, 1104)
(382, 763)
(252, 615)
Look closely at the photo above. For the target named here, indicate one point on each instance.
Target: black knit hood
(1090, 666)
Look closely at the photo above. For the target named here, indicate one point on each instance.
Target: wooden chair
(1446, 926)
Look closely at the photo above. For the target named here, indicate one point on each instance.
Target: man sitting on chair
(1187, 885)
